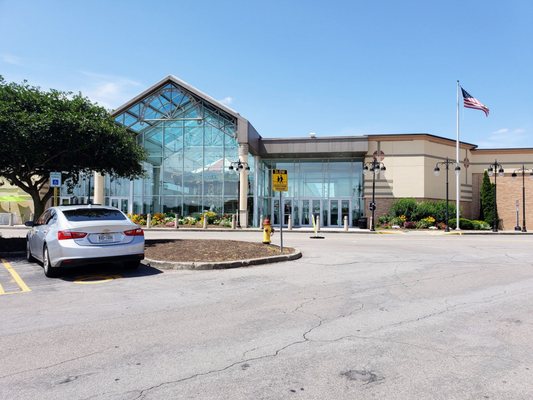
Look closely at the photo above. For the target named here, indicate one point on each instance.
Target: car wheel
(29, 257)
(49, 271)
(132, 265)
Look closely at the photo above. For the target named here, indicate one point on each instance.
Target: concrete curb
(172, 265)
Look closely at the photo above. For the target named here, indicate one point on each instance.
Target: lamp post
(375, 167)
(436, 171)
(492, 171)
(239, 166)
(523, 171)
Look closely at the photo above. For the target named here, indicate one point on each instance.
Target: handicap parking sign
(55, 179)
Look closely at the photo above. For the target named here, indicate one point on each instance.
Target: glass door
(334, 219)
(316, 210)
(345, 211)
(274, 219)
(306, 213)
(287, 210)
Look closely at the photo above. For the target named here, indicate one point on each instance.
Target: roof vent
(312, 135)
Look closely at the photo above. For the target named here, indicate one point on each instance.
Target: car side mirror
(29, 223)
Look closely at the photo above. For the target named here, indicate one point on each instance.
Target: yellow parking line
(16, 277)
(2, 291)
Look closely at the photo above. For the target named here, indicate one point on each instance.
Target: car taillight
(134, 232)
(63, 235)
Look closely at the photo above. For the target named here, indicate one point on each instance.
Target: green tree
(487, 201)
(44, 131)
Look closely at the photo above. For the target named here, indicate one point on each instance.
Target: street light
(523, 171)
(375, 167)
(436, 171)
(491, 171)
(239, 166)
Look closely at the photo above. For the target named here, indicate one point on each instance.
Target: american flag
(472, 102)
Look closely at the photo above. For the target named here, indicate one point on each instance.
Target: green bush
(403, 207)
(463, 223)
(481, 225)
(384, 219)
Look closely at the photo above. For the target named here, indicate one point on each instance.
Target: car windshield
(93, 214)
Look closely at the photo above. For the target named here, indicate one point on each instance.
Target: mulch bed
(185, 250)
(201, 250)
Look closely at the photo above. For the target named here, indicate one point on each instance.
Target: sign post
(55, 182)
(280, 183)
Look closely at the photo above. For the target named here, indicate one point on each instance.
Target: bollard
(289, 223)
(346, 223)
(204, 225)
(318, 223)
(10, 223)
(148, 221)
(176, 223)
(233, 221)
(261, 221)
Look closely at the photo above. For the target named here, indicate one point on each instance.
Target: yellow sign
(280, 180)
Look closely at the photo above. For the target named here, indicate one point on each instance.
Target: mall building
(192, 140)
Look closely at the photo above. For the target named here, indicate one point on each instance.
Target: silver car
(68, 236)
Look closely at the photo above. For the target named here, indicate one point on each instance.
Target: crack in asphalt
(52, 365)
(144, 392)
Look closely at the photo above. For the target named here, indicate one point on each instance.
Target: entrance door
(287, 210)
(316, 210)
(274, 219)
(345, 211)
(334, 219)
(120, 202)
(306, 213)
(338, 209)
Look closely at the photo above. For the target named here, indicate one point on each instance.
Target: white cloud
(504, 138)
(10, 59)
(107, 90)
(226, 100)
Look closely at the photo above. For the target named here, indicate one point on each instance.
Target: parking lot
(397, 316)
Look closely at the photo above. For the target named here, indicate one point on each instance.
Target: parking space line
(16, 277)
(2, 291)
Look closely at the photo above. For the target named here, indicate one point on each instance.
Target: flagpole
(458, 176)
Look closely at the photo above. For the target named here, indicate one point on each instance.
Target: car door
(39, 233)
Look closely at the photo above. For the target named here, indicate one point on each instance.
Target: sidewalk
(21, 228)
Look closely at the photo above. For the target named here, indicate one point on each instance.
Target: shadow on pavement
(103, 270)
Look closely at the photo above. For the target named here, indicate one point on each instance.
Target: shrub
(384, 219)
(404, 207)
(480, 225)
(138, 219)
(158, 219)
(397, 221)
(425, 223)
(210, 215)
(463, 223)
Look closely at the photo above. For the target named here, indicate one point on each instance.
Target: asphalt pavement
(397, 316)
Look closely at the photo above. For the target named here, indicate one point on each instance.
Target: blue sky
(293, 67)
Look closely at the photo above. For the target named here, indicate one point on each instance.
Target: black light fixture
(375, 167)
(436, 171)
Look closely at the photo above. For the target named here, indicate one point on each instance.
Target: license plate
(105, 237)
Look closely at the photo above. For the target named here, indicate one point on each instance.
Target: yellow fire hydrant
(268, 231)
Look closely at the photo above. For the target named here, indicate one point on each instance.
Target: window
(93, 214)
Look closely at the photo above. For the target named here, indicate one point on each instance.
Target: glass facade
(190, 146)
(330, 189)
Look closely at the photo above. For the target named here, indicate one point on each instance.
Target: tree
(45, 131)
(487, 201)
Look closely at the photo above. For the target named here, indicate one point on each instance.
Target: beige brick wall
(508, 191)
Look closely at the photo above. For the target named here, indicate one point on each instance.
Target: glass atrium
(190, 145)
